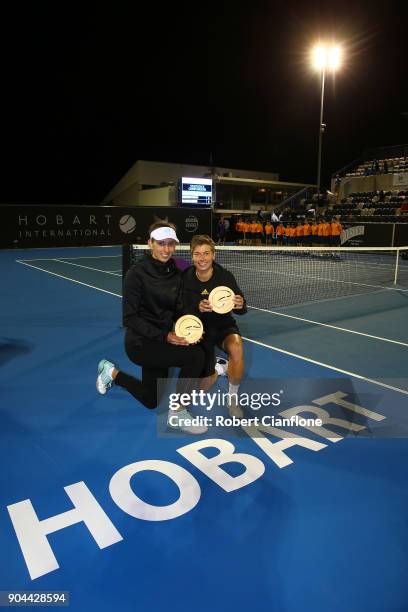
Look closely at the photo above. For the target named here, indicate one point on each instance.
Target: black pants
(156, 358)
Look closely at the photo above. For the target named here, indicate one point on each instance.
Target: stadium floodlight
(324, 58)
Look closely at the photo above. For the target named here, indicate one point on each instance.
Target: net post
(396, 268)
(126, 263)
(126, 258)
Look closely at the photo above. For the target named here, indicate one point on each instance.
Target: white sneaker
(183, 419)
(104, 381)
(234, 409)
(221, 366)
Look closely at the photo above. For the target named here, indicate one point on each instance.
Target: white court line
(326, 365)
(363, 266)
(344, 329)
(273, 348)
(331, 300)
(86, 267)
(67, 278)
(87, 257)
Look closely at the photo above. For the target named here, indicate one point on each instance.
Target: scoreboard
(196, 191)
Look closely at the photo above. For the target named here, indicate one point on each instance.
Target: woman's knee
(199, 358)
(151, 403)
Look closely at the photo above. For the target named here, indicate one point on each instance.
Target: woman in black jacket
(152, 301)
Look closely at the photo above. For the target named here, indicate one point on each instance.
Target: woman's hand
(172, 338)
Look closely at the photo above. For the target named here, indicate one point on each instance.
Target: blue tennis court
(95, 503)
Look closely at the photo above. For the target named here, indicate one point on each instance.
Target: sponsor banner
(46, 226)
(400, 179)
(367, 235)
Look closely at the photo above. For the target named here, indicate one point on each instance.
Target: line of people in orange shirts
(320, 232)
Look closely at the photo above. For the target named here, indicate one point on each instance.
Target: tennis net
(273, 277)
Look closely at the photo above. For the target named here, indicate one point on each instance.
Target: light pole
(324, 57)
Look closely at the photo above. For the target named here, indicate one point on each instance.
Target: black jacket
(151, 299)
(195, 290)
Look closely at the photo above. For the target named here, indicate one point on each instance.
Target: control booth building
(150, 183)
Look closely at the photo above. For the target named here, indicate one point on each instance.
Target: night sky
(85, 93)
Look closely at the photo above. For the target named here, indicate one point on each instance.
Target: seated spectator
(404, 208)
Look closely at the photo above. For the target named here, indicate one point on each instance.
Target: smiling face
(203, 258)
(162, 250)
